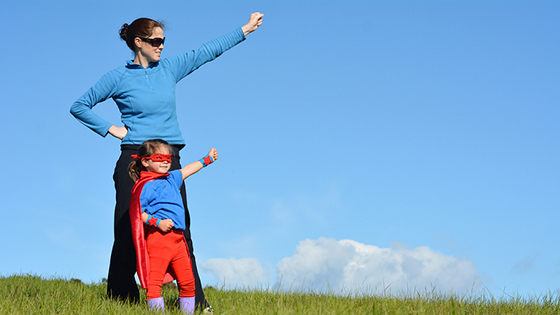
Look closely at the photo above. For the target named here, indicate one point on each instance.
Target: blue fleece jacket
(146, 96)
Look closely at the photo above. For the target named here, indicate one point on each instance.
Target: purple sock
(156, 304)
(186, 304)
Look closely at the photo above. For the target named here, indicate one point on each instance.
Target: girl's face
(146, 49)
(158, 167)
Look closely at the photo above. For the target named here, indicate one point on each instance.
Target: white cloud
(346, 265)
(245, 272)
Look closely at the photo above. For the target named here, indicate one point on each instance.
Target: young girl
(158, 219)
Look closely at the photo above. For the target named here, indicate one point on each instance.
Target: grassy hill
(28, 294)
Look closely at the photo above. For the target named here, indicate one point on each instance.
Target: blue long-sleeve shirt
(146, 96)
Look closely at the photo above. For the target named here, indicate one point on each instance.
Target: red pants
(168, 251)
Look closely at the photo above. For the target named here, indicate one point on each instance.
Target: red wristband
(207, 160)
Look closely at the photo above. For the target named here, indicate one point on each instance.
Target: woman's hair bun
(123, 31)
(141, 27)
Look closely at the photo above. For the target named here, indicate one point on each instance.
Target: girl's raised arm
(194, 167)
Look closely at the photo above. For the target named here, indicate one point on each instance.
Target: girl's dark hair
(148, 148)
(142, 27)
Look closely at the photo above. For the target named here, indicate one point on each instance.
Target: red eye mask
(158, 157)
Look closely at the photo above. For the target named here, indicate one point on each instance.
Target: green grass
(28, 294)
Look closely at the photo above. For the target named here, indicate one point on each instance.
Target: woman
(144, 91)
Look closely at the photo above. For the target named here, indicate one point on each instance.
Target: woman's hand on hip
(118, 132)
(254, 22)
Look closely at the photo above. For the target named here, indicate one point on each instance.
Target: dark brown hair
(148, 148)
(142, 27)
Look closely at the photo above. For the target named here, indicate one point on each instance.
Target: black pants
(121, 282)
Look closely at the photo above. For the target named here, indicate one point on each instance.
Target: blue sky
(363, 144)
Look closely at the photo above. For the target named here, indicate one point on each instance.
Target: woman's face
(146, 50)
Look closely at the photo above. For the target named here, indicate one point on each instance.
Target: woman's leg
(121, 283)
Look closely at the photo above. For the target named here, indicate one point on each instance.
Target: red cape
(139, 229)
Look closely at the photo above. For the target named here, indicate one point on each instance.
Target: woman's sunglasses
(156, 42)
